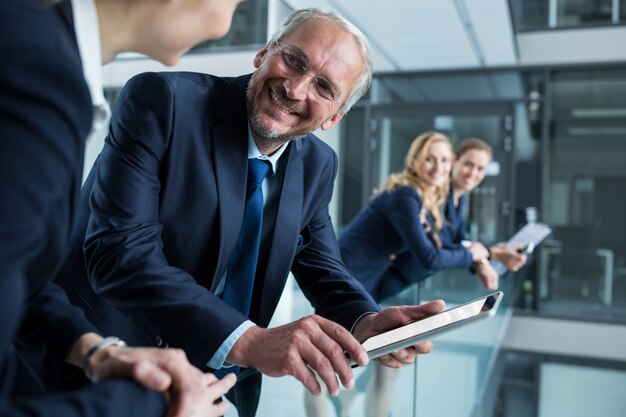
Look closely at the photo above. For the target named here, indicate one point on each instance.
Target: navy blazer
(408, 269)
(45, 116)
(454, 232)
(163, 207)
(388, 228)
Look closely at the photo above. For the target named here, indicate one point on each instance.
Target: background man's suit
(45, 116)
(166, 198)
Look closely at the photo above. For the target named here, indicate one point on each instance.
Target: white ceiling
(406, 35)
(418, 35)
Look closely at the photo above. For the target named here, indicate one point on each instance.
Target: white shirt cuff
(218, 360)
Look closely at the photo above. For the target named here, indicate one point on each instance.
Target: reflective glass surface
(544, 14)
(429, 88)
(530, 14)
(249, 28)
(584, 12)
(460, 363)
(583, 267)
(389, 132)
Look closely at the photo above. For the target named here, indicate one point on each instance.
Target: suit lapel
(230, 152)
(286, 230)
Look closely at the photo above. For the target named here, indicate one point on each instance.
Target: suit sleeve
(119, 398)
(318, 269)
(405, 204)
(123, 244)
(43, 124)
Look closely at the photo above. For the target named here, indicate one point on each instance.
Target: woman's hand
(478, 251)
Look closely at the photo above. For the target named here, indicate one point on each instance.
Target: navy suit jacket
(388, 229)
(163, 208)
(45, 116)
(408, 269)
(454, 232)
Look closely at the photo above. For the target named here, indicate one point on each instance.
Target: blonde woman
(405, 218)
(472, 156)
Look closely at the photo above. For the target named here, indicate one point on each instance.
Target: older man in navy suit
(166, 200)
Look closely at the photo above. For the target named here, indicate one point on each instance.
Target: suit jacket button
(392, 257)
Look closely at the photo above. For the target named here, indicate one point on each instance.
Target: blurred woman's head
(161, 29)
(427, 167)
(429, 160)
(469, 168)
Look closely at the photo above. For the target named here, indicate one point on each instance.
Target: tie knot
(257, 170)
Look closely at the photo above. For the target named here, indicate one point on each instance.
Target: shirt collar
(254, 153)
(88, 38)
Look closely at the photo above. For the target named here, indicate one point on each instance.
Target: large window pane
(352, 170)
(584, 268)
(582, 12)
(530, 14)
(535, 14)
(249, 27)
(433, 88)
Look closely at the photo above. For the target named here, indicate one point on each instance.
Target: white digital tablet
(419, 331)
(531, 235)
(528, 237)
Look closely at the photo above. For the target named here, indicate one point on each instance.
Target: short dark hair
(472, 143)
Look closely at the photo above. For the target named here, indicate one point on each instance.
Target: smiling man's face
(284, 104)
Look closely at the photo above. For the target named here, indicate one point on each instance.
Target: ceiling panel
(414, 35)
(491, 20)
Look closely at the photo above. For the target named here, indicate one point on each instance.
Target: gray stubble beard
(266, 137)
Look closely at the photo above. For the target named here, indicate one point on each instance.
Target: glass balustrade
(452, 380)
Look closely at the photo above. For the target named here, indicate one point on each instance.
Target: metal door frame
(506, 109)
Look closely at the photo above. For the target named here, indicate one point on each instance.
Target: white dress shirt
(271, 190)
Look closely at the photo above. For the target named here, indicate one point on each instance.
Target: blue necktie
(242, 266)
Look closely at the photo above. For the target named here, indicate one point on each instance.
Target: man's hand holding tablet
(399, 345)
(392, 318)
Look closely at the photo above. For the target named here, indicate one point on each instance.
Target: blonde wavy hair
(432, 201)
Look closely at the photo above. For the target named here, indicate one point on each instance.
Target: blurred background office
(544, 82)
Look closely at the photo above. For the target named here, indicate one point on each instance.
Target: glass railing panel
(287, 397)
(462, 361)
(459, 365)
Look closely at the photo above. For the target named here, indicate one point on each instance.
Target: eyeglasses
(295, 64)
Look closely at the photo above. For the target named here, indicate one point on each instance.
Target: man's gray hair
(299, 16)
